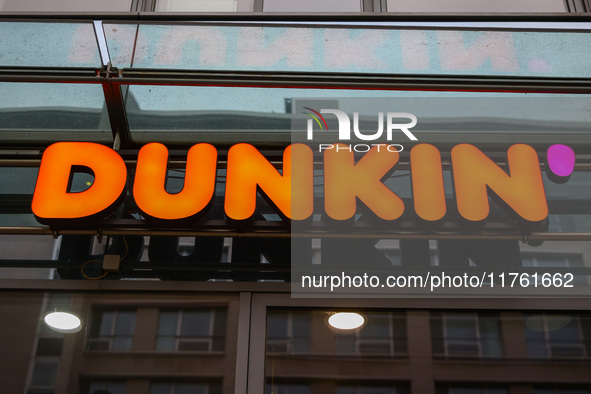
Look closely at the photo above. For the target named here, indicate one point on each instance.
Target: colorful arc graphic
(316, 118)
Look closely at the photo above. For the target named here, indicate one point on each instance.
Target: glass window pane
(301, 323)
(496, 391)
(46, 112)
(106, 323)
(121, 343)
(18, 184)
(48, 44)
(45, 373)
(22, 248)
(160, 388)
(535, 336)
(116, 387)
(219, 323)
(287, 388)
(312, 6)
(185, 388)
(103, 387)
(563, 328)
(99, 344)
(196, 6)
(490, 338)
(460, 326)
(189, 114)
(18, 180)
(190, 389)
(196, 324)
(49, 346)
(194, 346)
(167, 323)
(377, 327)
(277, 323)
(166, 344)
(38, 360)
(475, 6)
(346, 356)
(125, 323)
(65, 6)
(381, 49)
(366, 390)
(346, 344)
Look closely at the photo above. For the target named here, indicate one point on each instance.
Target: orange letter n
(522, 189)
(290, 192)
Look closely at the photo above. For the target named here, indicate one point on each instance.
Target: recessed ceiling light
(63, 322)
(346, 320)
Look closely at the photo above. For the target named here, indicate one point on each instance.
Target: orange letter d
(53, 200)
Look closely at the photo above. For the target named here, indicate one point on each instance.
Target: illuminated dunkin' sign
(346, 180)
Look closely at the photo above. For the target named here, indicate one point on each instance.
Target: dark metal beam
(254, 17)
(314, 80)
(49, 74)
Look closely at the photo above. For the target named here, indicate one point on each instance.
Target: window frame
(549, 344)
(361, 340)
(110, 338)
(477, 317)
(178, 337)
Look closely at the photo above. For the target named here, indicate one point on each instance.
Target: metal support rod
(537, 236)
(117, 114)
(101, 40)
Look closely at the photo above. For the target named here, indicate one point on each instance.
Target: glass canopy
(240, 76)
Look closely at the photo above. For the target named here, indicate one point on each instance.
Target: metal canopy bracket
(113, 96)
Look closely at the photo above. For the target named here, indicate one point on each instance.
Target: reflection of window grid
(475, 335)
(110, 386)
(291, 339)
(196, 6)
(112, 330)
(44, 374)
(191, 330)
(482, 6)
(47, 359)
(185, 387)
(470, 390)
(287, 388)
(370, 389)
(391, 342)
(562, 390)
(393, 255)
(539, 259)
(461, 345)
(541, 344)
(553, 259)
(240, 5)
(562, 223)
(314, 6)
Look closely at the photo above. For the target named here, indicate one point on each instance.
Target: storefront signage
(346, 181)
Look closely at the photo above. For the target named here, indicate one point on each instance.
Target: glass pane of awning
(50, 112)
(367, 47)
(358, 47)
(48, 44)
(185, 114)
